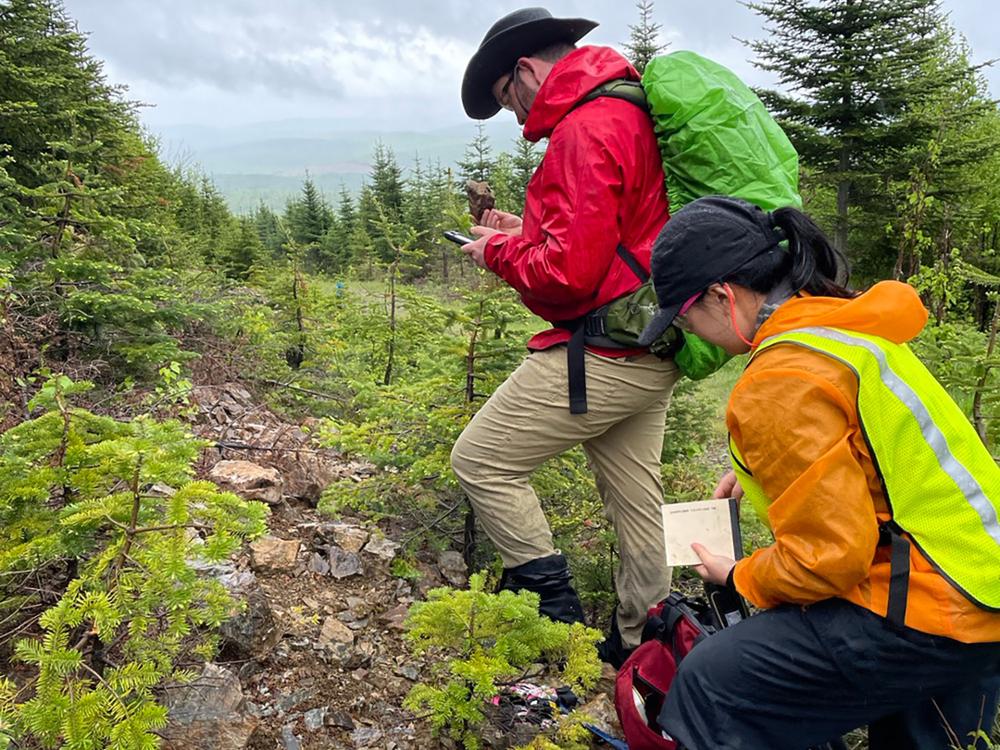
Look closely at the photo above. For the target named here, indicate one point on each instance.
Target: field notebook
(713, 523)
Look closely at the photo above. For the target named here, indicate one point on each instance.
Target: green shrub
(76, 495)
(479, 640)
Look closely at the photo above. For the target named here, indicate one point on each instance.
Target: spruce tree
(270, 231)
(310, 217)
(477, 164)
(338, 241)
(243, 250)
(346, 211)
(382, 200)
(387, 179)
(855, 71)
(97, 233)
(525, 161)
(644, 37)
(504, 185)
(52, 92)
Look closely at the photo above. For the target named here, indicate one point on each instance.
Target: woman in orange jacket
(830, 652)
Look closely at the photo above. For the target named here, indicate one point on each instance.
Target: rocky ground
(317, 659)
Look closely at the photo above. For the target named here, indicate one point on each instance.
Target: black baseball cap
(704, 243)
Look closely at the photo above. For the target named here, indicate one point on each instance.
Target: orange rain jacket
(793, 416)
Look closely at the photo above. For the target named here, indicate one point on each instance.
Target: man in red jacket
(599, 188)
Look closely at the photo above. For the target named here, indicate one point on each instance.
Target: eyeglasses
(679, 320)
(504, 99)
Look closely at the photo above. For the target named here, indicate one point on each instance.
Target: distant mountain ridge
(267, 161)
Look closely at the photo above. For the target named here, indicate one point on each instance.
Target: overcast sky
(376, 64)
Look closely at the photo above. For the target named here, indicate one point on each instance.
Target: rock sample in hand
(480, 198)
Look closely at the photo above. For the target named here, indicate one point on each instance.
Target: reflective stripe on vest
(941, 483)
(752, 491)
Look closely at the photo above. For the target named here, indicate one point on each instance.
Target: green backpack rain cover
(716, 138)
(715, 135)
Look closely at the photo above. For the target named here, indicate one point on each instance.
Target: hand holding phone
(457, 237)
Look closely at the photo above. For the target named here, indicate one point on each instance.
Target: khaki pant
(527, 422)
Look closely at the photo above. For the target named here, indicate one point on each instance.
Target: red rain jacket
(599, 184)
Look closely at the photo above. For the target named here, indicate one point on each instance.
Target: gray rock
(366, 736)
(339, 719)
(318, 564)
(290, 701)
(237, 582)
(360, 607)
(334, 631)
(262, 712)
(343, 564)
(351, 538)
(282, 653)
(315, 718)
(382, 548)
(249, 480)
(453, 568)
(360, 656)
(601, 711)
(252, 632)
(395, 618)
(409, 671)
(208, 712)
(289, 740)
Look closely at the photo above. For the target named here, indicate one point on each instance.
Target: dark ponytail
(817, 266)
(810, 263)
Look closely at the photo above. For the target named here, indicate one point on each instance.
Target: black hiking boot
(611, 650)
(549, 577)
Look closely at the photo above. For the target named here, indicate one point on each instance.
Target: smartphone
(457, 237)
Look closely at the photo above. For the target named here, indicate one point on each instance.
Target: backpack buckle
(595, 324)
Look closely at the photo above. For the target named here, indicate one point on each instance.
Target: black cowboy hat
(517, 34)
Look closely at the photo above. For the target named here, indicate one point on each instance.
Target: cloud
(199, 59)
(244, 47)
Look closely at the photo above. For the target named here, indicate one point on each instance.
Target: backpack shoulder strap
(619, 88)
(633, 263)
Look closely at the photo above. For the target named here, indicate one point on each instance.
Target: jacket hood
(890, 309)
(571, 79)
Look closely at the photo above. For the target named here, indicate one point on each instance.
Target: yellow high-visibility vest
(941, 483)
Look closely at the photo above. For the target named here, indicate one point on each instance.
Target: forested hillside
(148, 332)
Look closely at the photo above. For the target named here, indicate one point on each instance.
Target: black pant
(793, 677)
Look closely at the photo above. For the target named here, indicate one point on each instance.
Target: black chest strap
(585, 328)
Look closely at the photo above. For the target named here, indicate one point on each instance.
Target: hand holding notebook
(712, 523)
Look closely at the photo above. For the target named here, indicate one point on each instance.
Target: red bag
(673, 628)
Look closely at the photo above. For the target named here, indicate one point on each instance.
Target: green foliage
(477, 164)
(644, 37)
(75, 486)
(103, 244)
(569, 734)
(481, 639)
(402, 567)
(875, 86)
(957, 355)
(979, 741)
